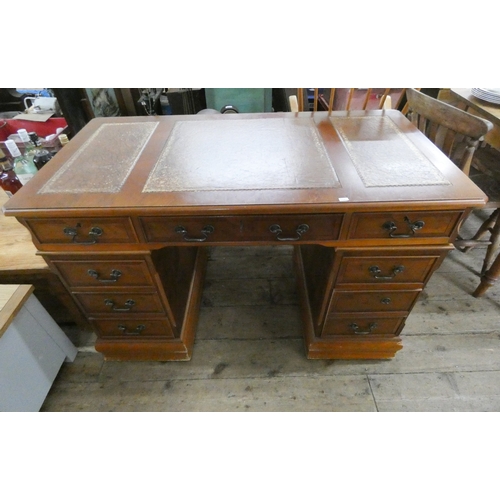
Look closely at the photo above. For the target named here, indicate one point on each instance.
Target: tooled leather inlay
(105, 160)
(383, 155)
(241, 154)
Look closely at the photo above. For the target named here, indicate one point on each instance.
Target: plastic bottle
(29, 147)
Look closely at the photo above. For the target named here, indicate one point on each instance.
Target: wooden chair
(455, 132)
(346, 99)
(459, 134)
(484, 164)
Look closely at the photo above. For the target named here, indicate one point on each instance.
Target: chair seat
(485, 173)
(489, 186)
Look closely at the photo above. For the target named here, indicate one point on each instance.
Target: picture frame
(102, 102)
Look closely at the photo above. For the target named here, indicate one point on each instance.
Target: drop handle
(94, 233)
(412, 227)
(128, 305)
(375, 272)
(136, 331)
(358, 331)
(208, 229)
(300, 230)
(114, 276)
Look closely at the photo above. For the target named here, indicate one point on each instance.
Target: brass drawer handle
(94, 233)
(114, 275)
(205, 231)
(375, 272)
(128, 303)
(413, 227)
(357, 331)
(137, 331)
(276, 229)
(386, 301)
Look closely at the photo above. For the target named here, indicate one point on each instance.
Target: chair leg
(495, 244)
(489, 278)
(487, 225)
(465, 245)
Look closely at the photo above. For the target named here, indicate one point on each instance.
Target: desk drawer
(376, 301)
(291, 228)
(122, 303)
(83, 231)
(363, 325)
(104, 273)
(388, 268)
(397, 225)
(191, 229)
(130, 328)
(271, 228)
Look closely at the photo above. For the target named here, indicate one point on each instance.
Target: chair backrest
(346, 99)
(455, 132)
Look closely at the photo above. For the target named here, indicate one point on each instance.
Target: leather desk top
(247, 163)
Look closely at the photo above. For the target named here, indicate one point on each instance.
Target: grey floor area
(249, 353)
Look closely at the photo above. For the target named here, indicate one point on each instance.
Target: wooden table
(124, 213)
(19, 264)
(482, 108)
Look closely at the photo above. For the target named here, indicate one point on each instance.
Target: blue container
(244, 100)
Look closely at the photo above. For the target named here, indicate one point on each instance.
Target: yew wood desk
(124, 213)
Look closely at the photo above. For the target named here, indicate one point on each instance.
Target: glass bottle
(8, 178)
(35, 141)
(23, 166)
(41, 156)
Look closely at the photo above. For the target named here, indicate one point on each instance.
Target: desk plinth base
(145, 351)
(164, 350)
(339, 347)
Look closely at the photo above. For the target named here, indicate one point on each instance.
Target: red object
(43, 129)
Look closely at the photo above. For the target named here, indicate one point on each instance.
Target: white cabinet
(32, 349)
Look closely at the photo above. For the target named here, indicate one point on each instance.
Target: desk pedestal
(338, 347)
(354, 301)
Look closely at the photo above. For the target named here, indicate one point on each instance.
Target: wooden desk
(482, 108)
(124, 212)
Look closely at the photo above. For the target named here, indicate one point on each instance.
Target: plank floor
(249, 354)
